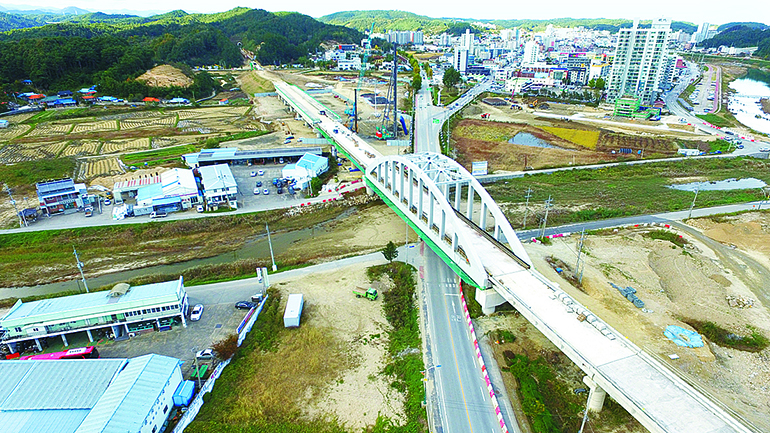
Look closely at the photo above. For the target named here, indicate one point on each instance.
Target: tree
(416, 82)
(451, 77)
(389, 252)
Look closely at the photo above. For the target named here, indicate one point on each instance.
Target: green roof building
(122, 311)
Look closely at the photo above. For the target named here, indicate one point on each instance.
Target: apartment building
(639, 61)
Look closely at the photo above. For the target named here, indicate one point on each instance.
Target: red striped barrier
(490, 389)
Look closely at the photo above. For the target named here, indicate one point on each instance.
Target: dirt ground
(361, 393)
(165, 76)
(691, 282)
(574, 142)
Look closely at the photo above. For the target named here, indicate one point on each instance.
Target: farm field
(562, 143)
(50, 134)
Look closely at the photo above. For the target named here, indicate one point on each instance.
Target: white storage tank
(293, 310)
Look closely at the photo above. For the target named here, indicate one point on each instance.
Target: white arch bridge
(459, 220)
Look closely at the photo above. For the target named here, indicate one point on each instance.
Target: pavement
(457, 390)
(665, 217)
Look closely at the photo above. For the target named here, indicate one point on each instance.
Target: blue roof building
(123, 310)
(88, 395)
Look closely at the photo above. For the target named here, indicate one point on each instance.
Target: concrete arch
(417, 197)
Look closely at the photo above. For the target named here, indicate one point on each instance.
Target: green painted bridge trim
(451, 263)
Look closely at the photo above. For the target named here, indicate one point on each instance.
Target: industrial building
(640, 60)
(219, 186)
(308, 167)
(176, 190)
(128, 188)
(231, 155)
(122, 312)
(61, 196)
(88, 395)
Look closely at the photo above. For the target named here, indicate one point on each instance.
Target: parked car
(196, 313)
(89, 211)
(245, 305)
(259, 183)
(261, 172)
(256, 191)
(107, 202)
(253, 173)
(200, 208)
(158, 215)
(205, 354)
(764, 149)
(279, 190)
(266, 191)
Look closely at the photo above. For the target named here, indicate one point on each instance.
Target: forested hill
(109, 50)
(743, 36)
(399, 20)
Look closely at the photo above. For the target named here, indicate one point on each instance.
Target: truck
(370, 293)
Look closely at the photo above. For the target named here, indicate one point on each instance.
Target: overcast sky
(711, 11)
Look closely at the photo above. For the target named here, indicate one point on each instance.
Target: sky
(711, 11)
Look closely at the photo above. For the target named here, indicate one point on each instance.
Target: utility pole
(545, 218)
(689, 214)
(270, 242)
(355, 107)
(80, 268)
(526, 207)
(578, 271)
(22, 221)
(195, 360)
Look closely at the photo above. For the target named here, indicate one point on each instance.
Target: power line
(578, 270)
(526, 207)
(548, 206)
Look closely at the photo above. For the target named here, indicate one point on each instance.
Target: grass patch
(25, 174)
(260, 390)
(155, 154)
(715, 120)
(30, 258)
(469, 292)
(754, 341)
(665, 235)
(214, 142)
(720, 146)
(400, 309)
(580, 195)
(252, 83)
(587, 139)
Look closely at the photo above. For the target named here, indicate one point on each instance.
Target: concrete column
(369, 191)
(488, 299)
(595, 396)
(420, 197)
(90, 337)
(431, 208)
(469, 213)
(442, 226)
(64, 339)
(483, 221)
(184, 322)
(37, 342)
(458, 194)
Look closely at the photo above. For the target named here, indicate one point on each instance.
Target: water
(721, 185)
(744, 104)
(255, 247)
(527, 139)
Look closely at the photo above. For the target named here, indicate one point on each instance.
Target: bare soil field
(678, 284)
(360, 393)
(573, 143)
(165, 76)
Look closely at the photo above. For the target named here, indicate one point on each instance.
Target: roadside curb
(490, 389)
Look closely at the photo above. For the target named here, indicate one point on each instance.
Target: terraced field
(147, 122)
(12, 153)
(115, 146)
(93, 167)
(13, 130)
(104, 125)
(82, 148)
(47, 129)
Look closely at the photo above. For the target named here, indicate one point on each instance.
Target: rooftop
(59, 307)
(81, 395)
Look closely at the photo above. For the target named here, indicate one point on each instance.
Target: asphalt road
(666, 217)
(457, 387)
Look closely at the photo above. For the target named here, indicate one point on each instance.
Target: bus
(89, 352)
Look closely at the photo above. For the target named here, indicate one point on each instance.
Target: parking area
(247, 183)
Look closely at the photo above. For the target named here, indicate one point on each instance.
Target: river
(256, 247)
(744, 104)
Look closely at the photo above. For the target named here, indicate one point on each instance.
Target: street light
(195, 361)
(425, 380)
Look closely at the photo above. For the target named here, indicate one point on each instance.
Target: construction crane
(367, 52)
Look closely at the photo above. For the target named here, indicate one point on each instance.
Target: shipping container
(293, 310)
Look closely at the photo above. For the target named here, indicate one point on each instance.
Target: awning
(166, 201)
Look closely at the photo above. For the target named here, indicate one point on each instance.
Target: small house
(3, 124)
(63, 93)
(150, 99)
(293, 310)
(224, 101)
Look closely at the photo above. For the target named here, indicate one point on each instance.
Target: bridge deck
(661, 401)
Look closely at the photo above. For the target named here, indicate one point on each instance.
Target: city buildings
(639, 61)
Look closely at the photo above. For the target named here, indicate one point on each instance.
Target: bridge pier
(595, 396)
(489, 299)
